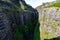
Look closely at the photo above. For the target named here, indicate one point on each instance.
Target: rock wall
(17, 23)
(50, 22)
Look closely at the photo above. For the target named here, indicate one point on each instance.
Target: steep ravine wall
(49, 19)
(17, 21)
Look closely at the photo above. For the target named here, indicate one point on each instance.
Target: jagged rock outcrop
(17, 20)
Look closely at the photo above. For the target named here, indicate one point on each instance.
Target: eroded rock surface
(17, 20)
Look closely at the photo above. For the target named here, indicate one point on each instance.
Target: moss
(37, 33)
(20, 30)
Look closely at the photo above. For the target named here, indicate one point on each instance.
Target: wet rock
(17, 23)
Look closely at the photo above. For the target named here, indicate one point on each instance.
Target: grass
(54, 5)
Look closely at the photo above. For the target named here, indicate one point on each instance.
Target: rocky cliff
(49, 17)
(17, 20)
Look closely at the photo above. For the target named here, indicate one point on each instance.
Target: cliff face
(49, 18)
(17, 20)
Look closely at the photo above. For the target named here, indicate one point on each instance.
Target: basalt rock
(17, 20)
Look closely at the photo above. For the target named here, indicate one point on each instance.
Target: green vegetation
(54, 5)
(37, 33)
(20, 31)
